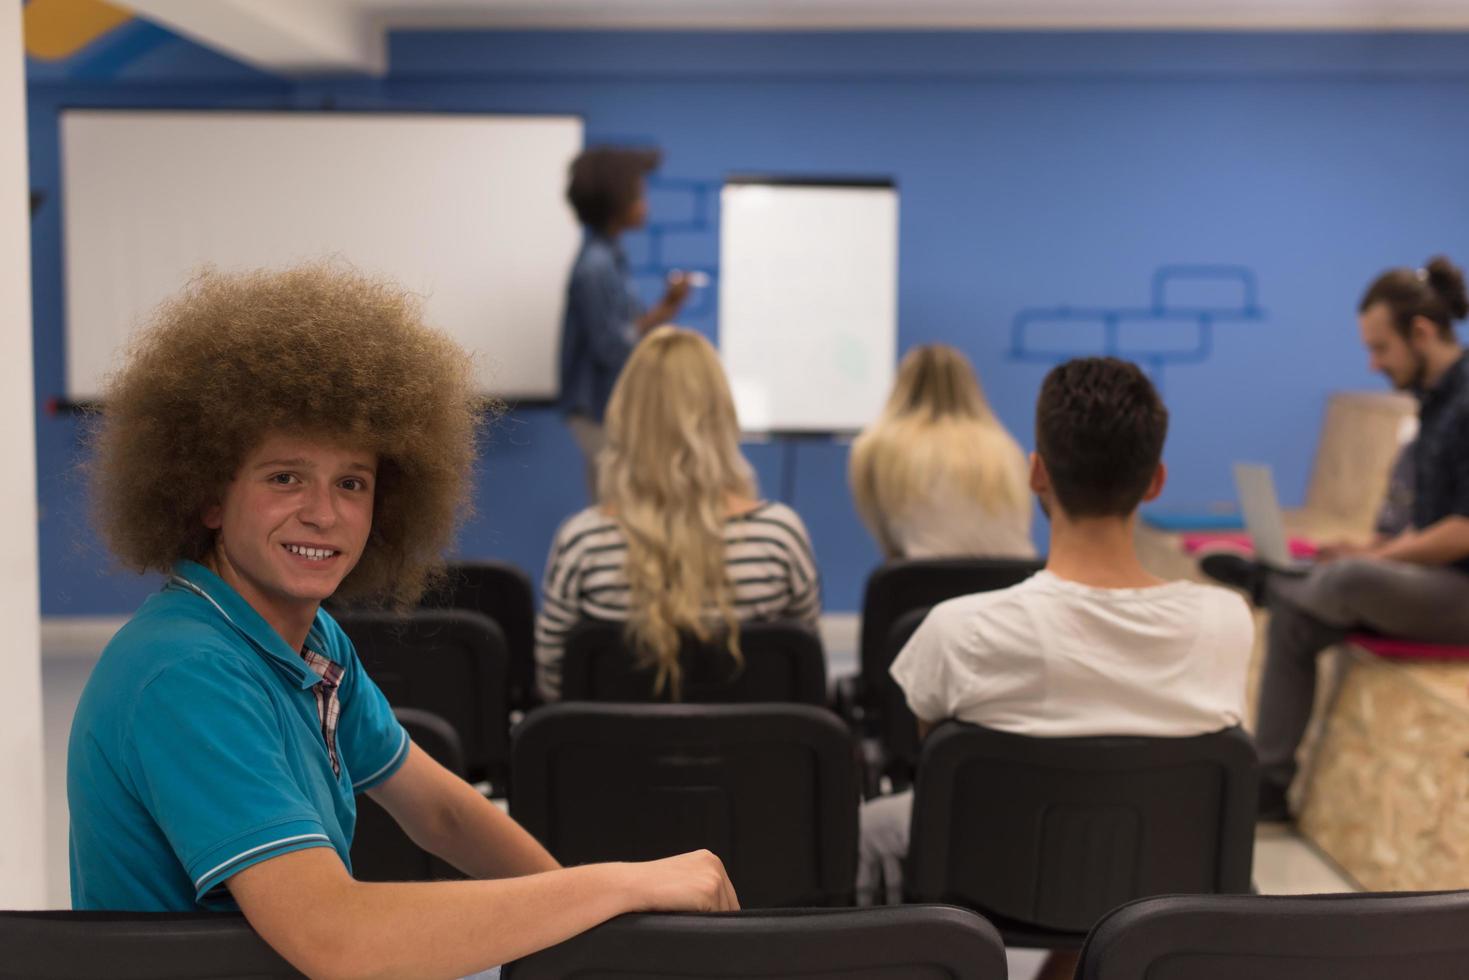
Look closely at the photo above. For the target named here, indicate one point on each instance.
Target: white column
(22, 827)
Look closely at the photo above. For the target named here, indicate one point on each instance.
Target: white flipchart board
(808, 301)
(468, 210)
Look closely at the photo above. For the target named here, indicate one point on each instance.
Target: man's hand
(692, 882)
(1341, 549)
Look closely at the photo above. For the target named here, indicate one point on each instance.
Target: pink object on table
(1238, 542)
(1395, 649)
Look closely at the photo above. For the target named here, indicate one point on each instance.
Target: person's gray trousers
(591, 439)
(1312, 612)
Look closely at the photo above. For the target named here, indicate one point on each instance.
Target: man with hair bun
(1413, 585)
(275, 439)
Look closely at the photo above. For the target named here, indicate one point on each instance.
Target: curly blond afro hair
(318, 350)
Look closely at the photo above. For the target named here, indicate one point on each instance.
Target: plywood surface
(1387, 794)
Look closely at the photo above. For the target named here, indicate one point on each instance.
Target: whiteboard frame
(886, 348)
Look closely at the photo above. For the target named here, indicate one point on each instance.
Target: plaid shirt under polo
(203, 744)
(328, 705)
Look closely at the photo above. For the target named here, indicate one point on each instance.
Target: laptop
(1255, 484)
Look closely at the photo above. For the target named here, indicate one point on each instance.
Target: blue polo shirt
(202, 745)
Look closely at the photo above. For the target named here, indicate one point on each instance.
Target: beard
(1419, 379)
(1415, 379)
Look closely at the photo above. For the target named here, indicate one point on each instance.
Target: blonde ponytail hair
(672, 460)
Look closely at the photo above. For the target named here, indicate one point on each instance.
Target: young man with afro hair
(272, 440)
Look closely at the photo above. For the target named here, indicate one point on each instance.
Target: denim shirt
(600, 327)
(1441, 454)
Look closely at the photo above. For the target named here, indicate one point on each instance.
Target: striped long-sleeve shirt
(767, 552)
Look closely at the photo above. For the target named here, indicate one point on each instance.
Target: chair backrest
(1051, 833)
(381, 851)
(503, 592)
(770, 788)
(445, 661)
(68, 945)
(1282, 937)
(913, 942)
(783, 661)
(897, 723)
(901, 586)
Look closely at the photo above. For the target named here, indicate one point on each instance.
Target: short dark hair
(1435, 292)
(1099, 428)
(604, 182)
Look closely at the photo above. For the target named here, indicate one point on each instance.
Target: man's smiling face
(293, 523)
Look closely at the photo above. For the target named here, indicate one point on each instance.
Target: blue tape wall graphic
(1176, 328)
(651, 266)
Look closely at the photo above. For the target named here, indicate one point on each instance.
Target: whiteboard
(808, 301)
(467, 210)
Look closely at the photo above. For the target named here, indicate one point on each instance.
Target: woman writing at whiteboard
(937, 475)
(604, 318)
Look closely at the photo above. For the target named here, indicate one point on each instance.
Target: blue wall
(1037, 171)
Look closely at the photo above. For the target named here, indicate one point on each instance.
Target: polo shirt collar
(194, 577)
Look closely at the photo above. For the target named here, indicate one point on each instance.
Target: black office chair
(1044, 836)
(926, 942)
(445, 661)
(1388, 936)
(898, 726)
(770, 788)
(503, 592)
(135, 946)
(901, 586)
(381, 851)
(783, 661)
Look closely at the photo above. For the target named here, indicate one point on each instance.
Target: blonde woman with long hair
(679, 542)
(937, 474)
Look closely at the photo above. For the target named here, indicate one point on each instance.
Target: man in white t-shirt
(1092, 645)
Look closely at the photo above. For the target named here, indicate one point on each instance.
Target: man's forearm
(311, 911)
(458, 928)
(479, 839)
(446, 816)
(1441, 543)
(434, 929)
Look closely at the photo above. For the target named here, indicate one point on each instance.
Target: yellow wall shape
(57, 29)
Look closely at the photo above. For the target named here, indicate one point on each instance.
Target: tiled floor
(1284, 864)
